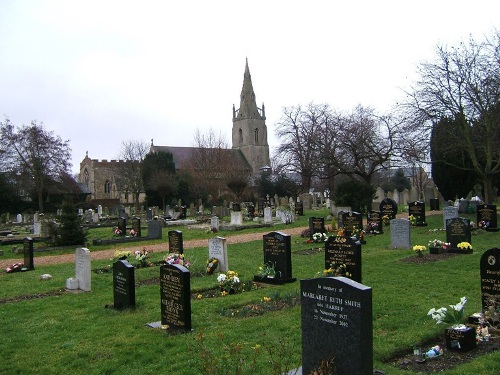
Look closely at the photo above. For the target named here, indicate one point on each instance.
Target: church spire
(248, 106)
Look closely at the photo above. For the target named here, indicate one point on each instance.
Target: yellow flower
(199, 296)
(223, 293)
(266, 299)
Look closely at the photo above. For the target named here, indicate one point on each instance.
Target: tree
(9, 196)
(159, 177)
(355, 193)
(70, 231)
(35, 154)
(464, 83)
(133, 153)
(400, 181)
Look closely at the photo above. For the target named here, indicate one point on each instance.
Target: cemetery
(261, 299)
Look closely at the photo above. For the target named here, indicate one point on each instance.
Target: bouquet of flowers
(319, 237)
(121, 255)
(454, 315)
(229, 283)
(267, 270)
(16, 267)
(212, 264)
(142, 257)
(133, 233)
(419, 249)
(464, 246)
(438, 243)
(386, 220)
(117, 232)
(413, 220)
(337, 269)
(175, 258)
(373, 227)
(358, 233)
(483, 224)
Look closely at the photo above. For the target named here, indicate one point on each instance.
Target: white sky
(101, 72)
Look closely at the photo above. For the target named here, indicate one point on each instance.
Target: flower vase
(460, 339)
(436, 250)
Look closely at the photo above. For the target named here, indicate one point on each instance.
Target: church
(248, 156)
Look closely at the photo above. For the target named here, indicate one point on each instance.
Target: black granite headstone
(28, 254)
(123, 284)
(278, 252)
(155, 229)
(337, 325)
(136, 226)
(251, 211)
(175, 243)
(149, 213)
(434, 203)
(260, 206)
(316, 225)
(175, 292)
(374, 220)
(487, 217)
(236, 207)
(299, 209)
(388, 207)
(490, 279)
(183, 212)
(122, 226)
(457, 230)
(417, 209)
(351, 221)
(341, 250)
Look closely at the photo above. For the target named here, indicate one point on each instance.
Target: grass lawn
(75, 333)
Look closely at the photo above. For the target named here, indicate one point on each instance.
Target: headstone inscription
(316, 225)
(457, 230)
(417, 210)
(123, 284)
(490, 281)
(351, 221)
(487, 217)
(122, 226)
(449, 212)
(343, 255)
(217, 248)
(136, 227)
(155, 229)
(175, 293)
(28, 254)
(278, 253)
(175, 243)
(337, 326)
(388, 207)
(400, 233)
(82, 268)
(374, 221)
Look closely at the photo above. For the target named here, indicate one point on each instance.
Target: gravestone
(490, 280)
(434, 204)
(95, 217)
(155, 229)
(251, 211)
(236, 218)
(175, 243)
(278, 253)
(337, 325)
(260, 206)
(344, 250)
(417, 209)
(217, 248)
(28, 254)
(123, 284)
(183, 212)
(136, 226)
(299, 209)
(122, 226)
(19, 218)
(236, 207)
(400, 234)
(82, 268)
(449, 212)
(351, 221)
(487, 217)
(175, 293)
(268, 218)
(374, 221)
(214, 223)
(316, 225)
(457, 230)
(388, 207)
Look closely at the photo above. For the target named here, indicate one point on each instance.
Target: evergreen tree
(70, 231)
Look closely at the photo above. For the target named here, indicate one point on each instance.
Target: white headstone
(449, 212)
(35, 218)
(99, 210)
(379, 195)
(95, 217)
(37, 228)
(72, 283)
(82, 268)
(214, 223)
(400, 234)
(395, 196)
(268, 216)
(217, 248)
(236, 218)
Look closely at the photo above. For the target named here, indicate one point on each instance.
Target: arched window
(241, 135)
(256, 135)
(107, 187)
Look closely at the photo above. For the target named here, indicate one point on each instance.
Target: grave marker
(123, 284)
(487, 217)
(449, 212)
(374, 220)
(82, 268)
(278, 253)
(299, 209)
(175, 293)
(345, 250)
(155, 229)
(388, 207)
(214, 223)
(350, 221)
(268, 218)
(122, 226)
(175, 243)
(490, 280)
(417, 209)
(136, 226)
(217, 248)
(336, 325)
(28, 254)
(457, 230)
(316, 225)
(400, 234)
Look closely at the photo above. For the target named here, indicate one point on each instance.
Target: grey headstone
(217, 248)
(400, 234)
(82, 268)
(449, 212)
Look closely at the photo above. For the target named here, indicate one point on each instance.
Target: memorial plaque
(341, 250)
(217, 248)
(487, 217)
(449, 212)
(316, 225)
(388, 207)
(351, 221)
(123, 284)
(28, 254)
(175, 243)
(374, 220)
(175, 292)
(490, 279)
(400, 234)
(136, 226)
(278, 252)
(122, 226)
(417, 210)
(457, 230)
(336, 325)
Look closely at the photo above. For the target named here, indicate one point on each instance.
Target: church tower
(249, 128)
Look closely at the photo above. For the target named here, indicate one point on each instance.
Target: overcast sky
(101, 72)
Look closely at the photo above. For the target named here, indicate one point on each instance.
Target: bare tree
(133, 153)
(464, 83)
(34, 154)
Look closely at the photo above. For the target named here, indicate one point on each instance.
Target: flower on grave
(336, 269)
(266, 299)
(229, 282)
(453, 315)
(386, 220)
(483, 224)
(341, 232)
(117, 231)
(211, 265)
(464, 246)
(267, 270)
(142, 256)
(437, 243)
(419, 249)
(373, 227)
(16, 267)
(175, 258)
(133, 233)
(121, 255)
(358, 233)
(413, 220)
(319, 237)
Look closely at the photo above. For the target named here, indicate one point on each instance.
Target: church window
(107, 187)
(86, 177)
(241, 135)
(256, 135)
